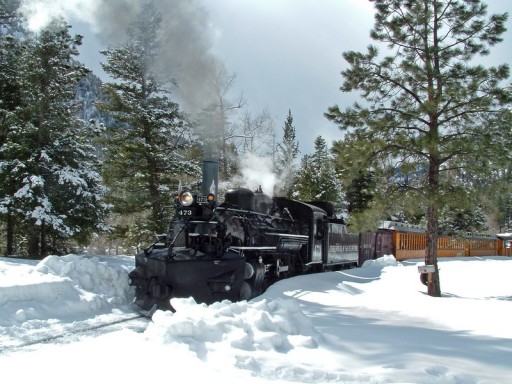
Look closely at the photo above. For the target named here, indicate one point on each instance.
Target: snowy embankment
(373, 324)
(77, 284)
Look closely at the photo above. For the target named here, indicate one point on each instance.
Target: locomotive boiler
(235, 249)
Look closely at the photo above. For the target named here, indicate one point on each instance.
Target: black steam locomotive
(236, 249)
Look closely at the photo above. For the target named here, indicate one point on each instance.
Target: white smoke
(39, 13)
(256, 172)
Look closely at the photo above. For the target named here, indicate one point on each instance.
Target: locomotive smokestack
(211, 152)
(210, 181)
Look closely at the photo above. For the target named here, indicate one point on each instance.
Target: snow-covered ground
(373, 324)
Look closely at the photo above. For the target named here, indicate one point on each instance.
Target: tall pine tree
(286, 156)
(52, 192)
(11, 47)
(145, 150)
(428, 106)
(317, 180)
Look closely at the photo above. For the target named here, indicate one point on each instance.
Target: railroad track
(137, 322)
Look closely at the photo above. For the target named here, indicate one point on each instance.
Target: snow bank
(91, 275)
(267, 325)
(61, 287)
(381, 262)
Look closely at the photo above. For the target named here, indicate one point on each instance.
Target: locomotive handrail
(241, 249)
(202, 222)
(249, 212)
(305, 237)
(248, 247)
(194, 234)
(246, 211)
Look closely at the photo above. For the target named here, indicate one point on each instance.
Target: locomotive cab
(330, 245)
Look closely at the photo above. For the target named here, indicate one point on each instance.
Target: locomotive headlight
(186, 199)
(210, 198)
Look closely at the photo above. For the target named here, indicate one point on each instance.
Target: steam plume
(185, 29)
(256, 172)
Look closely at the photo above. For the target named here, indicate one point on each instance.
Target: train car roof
(404, 227)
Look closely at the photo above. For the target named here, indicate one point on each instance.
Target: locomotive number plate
(186, 212)
(202, 199)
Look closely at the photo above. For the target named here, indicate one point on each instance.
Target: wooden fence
(413, 245)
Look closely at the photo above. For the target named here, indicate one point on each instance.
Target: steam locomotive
(236, 249)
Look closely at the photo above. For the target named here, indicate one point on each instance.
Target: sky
(374, 324)
(286, 54)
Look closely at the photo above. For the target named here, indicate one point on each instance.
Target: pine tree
(9, 18)
(145, 150)
(10, 49)
(360, 192)
(303, 185)
(428, 105)
(48, 169)
(456, 221)
(286, 156)
(501, 190)
(317, 180)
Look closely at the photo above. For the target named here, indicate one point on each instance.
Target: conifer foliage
(286, 156)
(429, 107)
(317, 178)
(50, 189)
(144, 154)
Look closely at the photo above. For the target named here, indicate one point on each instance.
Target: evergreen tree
(11, 47)
(496, 199)
(360, 192)
(502, 203)
(455, 221)
(9, 18)
(303, 185)
(286, 156)
(317, 180)
(427, 103)
(145, 149)
(51, 188)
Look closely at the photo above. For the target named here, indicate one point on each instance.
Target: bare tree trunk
(10, 234)
(434, 285)
(43, 251)
(34, 251)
